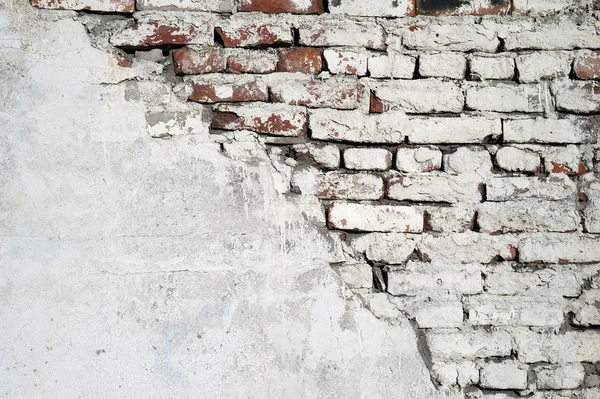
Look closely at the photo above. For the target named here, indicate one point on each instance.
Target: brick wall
(452, 146)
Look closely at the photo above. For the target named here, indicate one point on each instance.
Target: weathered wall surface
(265, 198)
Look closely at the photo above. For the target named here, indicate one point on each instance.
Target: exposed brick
(356, 127)
(222, 6)
(415, 160)
(505, 97)
(275, 119)
(450, 130)
(516, 160)
(443, 65)
(536, 66)
(324, 155)
(305, 60)
(331, 93)
(568, 376)
(206, 60)
(434, 188)
(251, 61)
(229, 92)
(375, 8)
(418, 279)
(559, 248)
(333, 32)
(468, 344)
(376, 218)
(467, 7)
(492, 67)
(420, 96)
(283, 6)
(451, 37)
(541, 130)
(164, 30)
(467, 247)
(587, 66)
(367, 159)
(468, 161)
(530, 215)
(555, 187)
(505, 375)
(577, 97)
(558, 281)
(570, 347)
(117, 6)
(255, 33)
(346, 62)
(392, 66)
(360, 186)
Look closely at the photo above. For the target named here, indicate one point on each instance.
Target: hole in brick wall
(296, 36)
(217, 37)
(379, 281)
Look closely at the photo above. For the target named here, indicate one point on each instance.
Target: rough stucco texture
(299, 199)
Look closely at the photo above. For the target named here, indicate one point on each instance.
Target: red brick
(251, 61)
(164, 31)
(339, 94)
(467, 7)
(587, 66)
(117, 6)
(189, 62)
(283, 6)
(234, 92)
(274, 119)
(305, 60)
(255, 35)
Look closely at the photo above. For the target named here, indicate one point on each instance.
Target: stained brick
(251, 61)
(375, 8)
(577, 97)
(254, 33)
(587, 66)
(275, 119)
(346, 62)
(359, 186)
(439, 36)
(339, 94)
(117, 6)
(354, 126)
(229, 92)
(434, 188)
(334, 32)
(420, 96)
(376, 218)
(188, 61)
(283, 6)
(305, 60)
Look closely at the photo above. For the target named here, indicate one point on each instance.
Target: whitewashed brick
(326, 156)
(555, 187)
(462, 373)
(514, 310)
(505, 375)
(438, 36)
(587, 311)
(468, 161)
(459, 130)
(471, 344)
(559, 248)
(534, 67)
(443, 65)
(367, 159)
(516, 160)
(420, 96)
(346, 62)
(388, 248)
(421, 280)
(439, 315)
(166, 124)
(421, 159)
(557, 281)
(435, 187)
(528, 215)
(563, 160)
(563, 34)
(451, 219)
(225, 6)
(577, 96)
(467, 247)
(356, 275)
(375, 218)
(505, 97)
(541, 130)
(489, 68)
(380, 305)
(360, 186)
(592, 215)
(339, 92)
(375, 8)
(342, 32)
(568, 376)
(570, 347)
(354, 126)
(546, 6)
(392, 65)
